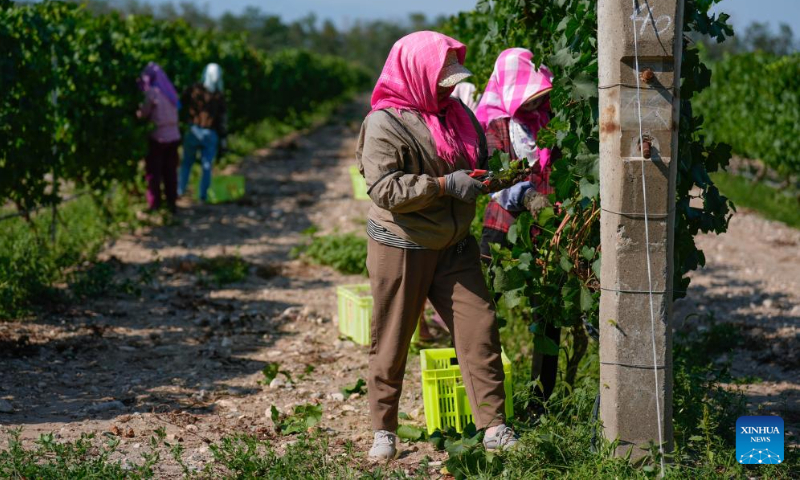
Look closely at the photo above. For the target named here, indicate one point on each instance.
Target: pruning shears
(483, 176)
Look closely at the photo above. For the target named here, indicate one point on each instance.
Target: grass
(87, 457)
(557, 445)
(31, 266)
(780, 205)
(31, 263)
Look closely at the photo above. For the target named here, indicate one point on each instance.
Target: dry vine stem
(583, 225)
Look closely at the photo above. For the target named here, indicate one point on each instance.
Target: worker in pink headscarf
(416, 149)
(512, 110)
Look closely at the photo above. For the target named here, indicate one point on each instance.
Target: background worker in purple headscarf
(160, 107)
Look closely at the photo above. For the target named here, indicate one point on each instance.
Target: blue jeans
(205, 140)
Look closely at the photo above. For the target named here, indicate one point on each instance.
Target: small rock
(137, 445)
(354, 396)
(337, 397)
(343, 344)
(348, 408)
(290, 313)
(317, 396)
(767, 303)
(191, 428)
(276, 383)
(106, 406)
(200, 396)
(226, 342)
(307, 312)
(6, 407)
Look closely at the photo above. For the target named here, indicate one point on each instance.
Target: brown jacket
(401, 168)
(205, 109)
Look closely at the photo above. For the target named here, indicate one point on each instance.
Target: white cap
(452, 71)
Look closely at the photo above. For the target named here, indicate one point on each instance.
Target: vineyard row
(69, 96)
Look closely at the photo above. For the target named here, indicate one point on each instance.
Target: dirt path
(752, 281)
(187, 357)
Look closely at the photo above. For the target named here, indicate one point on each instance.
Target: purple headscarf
(153, 76)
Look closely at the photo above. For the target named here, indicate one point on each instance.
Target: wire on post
(636, 9)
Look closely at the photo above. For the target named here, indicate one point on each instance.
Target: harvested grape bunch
(504, 172)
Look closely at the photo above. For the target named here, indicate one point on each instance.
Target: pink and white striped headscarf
(409, 82)
(514, 79)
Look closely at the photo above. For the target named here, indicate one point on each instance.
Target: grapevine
(69, 93)
(554, 276)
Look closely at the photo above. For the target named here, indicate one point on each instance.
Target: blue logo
(759, 440)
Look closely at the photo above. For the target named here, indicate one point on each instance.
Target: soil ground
(187, 356)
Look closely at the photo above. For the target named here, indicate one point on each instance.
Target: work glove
(535, 202)
(463, 187)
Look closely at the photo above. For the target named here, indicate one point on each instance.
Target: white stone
(276, 383)
(337, 397)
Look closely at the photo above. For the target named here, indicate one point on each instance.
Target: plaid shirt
(498, 138)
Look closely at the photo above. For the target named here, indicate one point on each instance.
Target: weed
(223, 270)
(271, 370)
(466, 456)
(357, 388)
(346, 253)
(303, 419)
(247, 457)
(31, 262)
(83, 458)
(93, 281)
(411, 433)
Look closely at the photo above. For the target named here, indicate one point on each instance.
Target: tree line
(364, 41)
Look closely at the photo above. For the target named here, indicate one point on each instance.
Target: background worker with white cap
(416, 150)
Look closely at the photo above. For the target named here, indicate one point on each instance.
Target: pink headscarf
(514, 79)
(409, 81)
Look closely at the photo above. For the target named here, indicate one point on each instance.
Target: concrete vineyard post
(628, 388)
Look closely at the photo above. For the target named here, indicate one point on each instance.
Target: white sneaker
(503, 438)
(384, 446)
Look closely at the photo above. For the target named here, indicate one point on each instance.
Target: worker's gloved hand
(535, 202)
(463, 187)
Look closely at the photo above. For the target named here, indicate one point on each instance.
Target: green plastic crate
(359, 184)
(443, 392)
(224, 188)
(355, 313)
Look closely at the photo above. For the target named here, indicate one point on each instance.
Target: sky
(742, 12)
